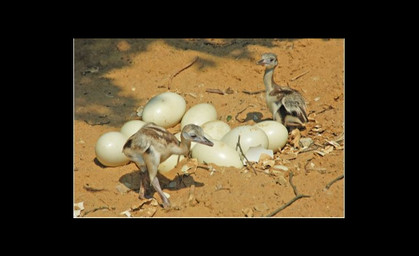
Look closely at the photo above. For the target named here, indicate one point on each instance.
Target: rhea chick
(286, 104)
(153, 144)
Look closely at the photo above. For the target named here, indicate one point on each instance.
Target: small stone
(281, 181)
(123, 46)
(122, 188)
(261, 207)
(248, 212)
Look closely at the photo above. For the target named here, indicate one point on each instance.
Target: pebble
(122, 188)
(281, 181)
(248, 212)
(261, 207)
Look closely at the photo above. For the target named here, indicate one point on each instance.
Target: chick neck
(185, 145)
(268, 79)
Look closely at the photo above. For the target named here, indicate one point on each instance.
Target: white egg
(199, 114)
(250, 136)
(220, 154)
(131, 127)
(108, 149)
(165, 109)
(216, 129)
(277, 134)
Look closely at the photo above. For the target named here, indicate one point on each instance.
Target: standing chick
(153, 144)
(286, 104)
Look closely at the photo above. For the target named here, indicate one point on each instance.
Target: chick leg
(156, 185)
(292, 122)
(143, 179)
(152, 159)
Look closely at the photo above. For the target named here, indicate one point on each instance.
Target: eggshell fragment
(250, 136)
(276, 132)
(199, 114)
(220, 154)
(165, 109)
(216, 129)
(254, 153)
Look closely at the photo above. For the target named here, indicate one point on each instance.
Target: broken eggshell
(220, 154)
(254, 153)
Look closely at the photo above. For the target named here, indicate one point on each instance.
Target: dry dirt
(113, 77)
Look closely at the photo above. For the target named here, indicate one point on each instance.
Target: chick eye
(271, 59)
(193, 135)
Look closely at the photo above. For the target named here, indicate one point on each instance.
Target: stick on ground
(300, 75)
(241, 151)
(328, 185)
(252, 93)
(177, 73)
(297, 196)
(242, 121)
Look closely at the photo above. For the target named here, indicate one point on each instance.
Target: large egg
(108, 149)
(216, 129)
(220, 154)
(131, 127)
(165, 109)
(277, 134)
(250, 136)
(170, 162)
(199, 114)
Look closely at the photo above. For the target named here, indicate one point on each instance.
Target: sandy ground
(113, 77)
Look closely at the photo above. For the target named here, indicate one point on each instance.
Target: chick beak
(261, 62)
(205, 141)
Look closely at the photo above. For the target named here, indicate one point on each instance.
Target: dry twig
(96, 209)
(295, 78)
(328, 185)
(218, 91)
(241, 151)
(242, 121)
(91, 189)
(175, 74)
(251, 93)
(297, 196)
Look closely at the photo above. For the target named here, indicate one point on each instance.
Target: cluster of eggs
(168, 109)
